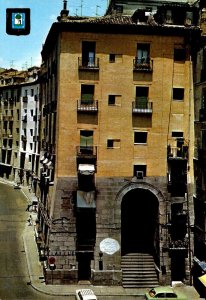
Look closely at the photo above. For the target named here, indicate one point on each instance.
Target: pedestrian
(29, 220)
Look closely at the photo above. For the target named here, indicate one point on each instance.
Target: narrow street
(14, 276)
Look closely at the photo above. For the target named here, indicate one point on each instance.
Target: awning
(203, 279)
(5, 165)
(86, 169)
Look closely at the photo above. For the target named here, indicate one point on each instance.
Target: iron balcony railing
(87, 151)
(7, 118)
(88, 64)
(87, 106)
(141, 107)
(177, 152)
(143, 64)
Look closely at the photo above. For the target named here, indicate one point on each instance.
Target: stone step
(138, 270)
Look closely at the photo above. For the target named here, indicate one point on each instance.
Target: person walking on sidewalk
(30, 220)
(28, 207)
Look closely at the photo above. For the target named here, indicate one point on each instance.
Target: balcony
(86, 154)
(25, 99)
(87, 106)
(7, 135)
(142, 64)
(87, 65)
(141, 107)
(8, 118)
(177, 152)
(180, 246)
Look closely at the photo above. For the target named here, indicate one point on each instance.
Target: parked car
(164, 293)
(85, 294)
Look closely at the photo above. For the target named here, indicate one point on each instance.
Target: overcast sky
(21, 52)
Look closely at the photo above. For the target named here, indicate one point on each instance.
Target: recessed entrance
(139, 221)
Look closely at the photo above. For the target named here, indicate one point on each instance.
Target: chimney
(64, 12)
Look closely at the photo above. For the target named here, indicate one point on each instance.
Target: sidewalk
(36, 272)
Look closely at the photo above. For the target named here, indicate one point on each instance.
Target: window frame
(178, 94)
(140, 133)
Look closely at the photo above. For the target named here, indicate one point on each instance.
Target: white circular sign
(109, 246)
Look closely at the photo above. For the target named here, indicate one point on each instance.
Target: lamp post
(100, 261)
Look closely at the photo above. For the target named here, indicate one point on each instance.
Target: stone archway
(139, 204)
(139, 221)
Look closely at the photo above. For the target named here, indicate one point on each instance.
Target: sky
(22, 52)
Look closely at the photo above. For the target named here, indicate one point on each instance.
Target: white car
(85, 294)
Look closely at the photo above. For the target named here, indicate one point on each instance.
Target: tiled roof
(109, 19)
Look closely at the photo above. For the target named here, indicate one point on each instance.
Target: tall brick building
(116, 180)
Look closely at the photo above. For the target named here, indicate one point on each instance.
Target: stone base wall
(109, 191)
(58, 277)
(106, 277)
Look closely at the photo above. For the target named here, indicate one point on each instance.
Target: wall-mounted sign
(109, 246)
(18, 21)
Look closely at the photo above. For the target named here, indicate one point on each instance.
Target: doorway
(139, 222)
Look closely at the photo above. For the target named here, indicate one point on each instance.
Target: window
(86, 141)
(10, 143)
(111, 99)
(143, 53)
(178, 94)
(88, 53)
(32, 112)
(168, 17)
(139, 168)
(115, 58)
(171, 295)
(140, 137)
(32, 92)
(31, 146)
(160, 295)
(112, 58)
(87, 94)
(113, 143)
(29, 158)
(4, 142)
(9, 156)
(142, 96)
(31, 132)
(177, 134)
(179, 54)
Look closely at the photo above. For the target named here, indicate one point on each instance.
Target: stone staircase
(138, 271)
